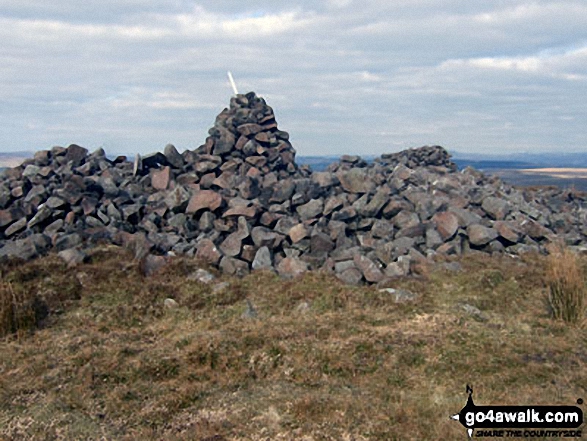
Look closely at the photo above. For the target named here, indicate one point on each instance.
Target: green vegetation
(322, 361)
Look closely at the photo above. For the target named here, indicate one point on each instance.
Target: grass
(109, 362)
(566, 282)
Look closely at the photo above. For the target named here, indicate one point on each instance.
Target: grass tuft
(17, 313)
(566, 297)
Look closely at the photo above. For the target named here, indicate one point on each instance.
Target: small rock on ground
(170, 303)
(401, 295)
(202, 276)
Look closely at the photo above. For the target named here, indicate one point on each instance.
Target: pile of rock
(246, 137)
(240, 202)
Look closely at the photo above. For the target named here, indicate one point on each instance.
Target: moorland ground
(320, 361)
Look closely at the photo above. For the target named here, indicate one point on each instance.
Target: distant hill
(494, 164)
(481, 161)
(13, 159)
(522, 160)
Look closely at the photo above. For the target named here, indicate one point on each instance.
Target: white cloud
(342, 76)
(569, 65)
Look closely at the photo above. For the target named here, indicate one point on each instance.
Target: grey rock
(72, 257)
(16, 227)
(219, 287)
(132, 213)
(343, 265)
(370, 270)
(76, 154)
(356, 181)
(311, 209)
(137, 167)
(395, 269)
(31, 171)
(465, 217)
(344, 214)
(321, 242)
(433, 239)
(474, 312)
(224, 141)
(263, 260)
(151, 264)
(43, 213)
(333, 203)
(264, 237)
(453, 267)
(177, 199)
(232, 266)
(173, 156)
(496, 208)
(480, 235)
(250, 311)
(376, 204)
(324, 179)
(401, 295)
(285, 224)
(382, 229)
(350, 276)
(55, 203)
(67, 241)
(206, 221)
(302, 308)
(170, 303)
(32, 246)
(231, 246)
(202, 276)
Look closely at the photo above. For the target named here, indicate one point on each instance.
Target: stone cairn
(239, 202)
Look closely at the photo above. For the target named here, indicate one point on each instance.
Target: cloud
(567, 65)
(343, 76)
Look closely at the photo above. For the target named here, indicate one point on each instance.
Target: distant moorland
(523, 169)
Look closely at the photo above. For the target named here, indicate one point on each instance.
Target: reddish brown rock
(298, 233)
(204, 200)
(249, 129)
(447, 224)
(9, 216)
(262, 137)
(241, 210)
(240, 143)
(207, 251)
(160, 178)
(507, 231)
(535, 230)
(291, 267)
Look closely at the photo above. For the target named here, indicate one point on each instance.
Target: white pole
(232, 83)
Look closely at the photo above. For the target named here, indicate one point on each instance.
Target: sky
(343, 76)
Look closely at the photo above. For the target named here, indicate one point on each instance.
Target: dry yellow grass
(566, 282)
(114, 364)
